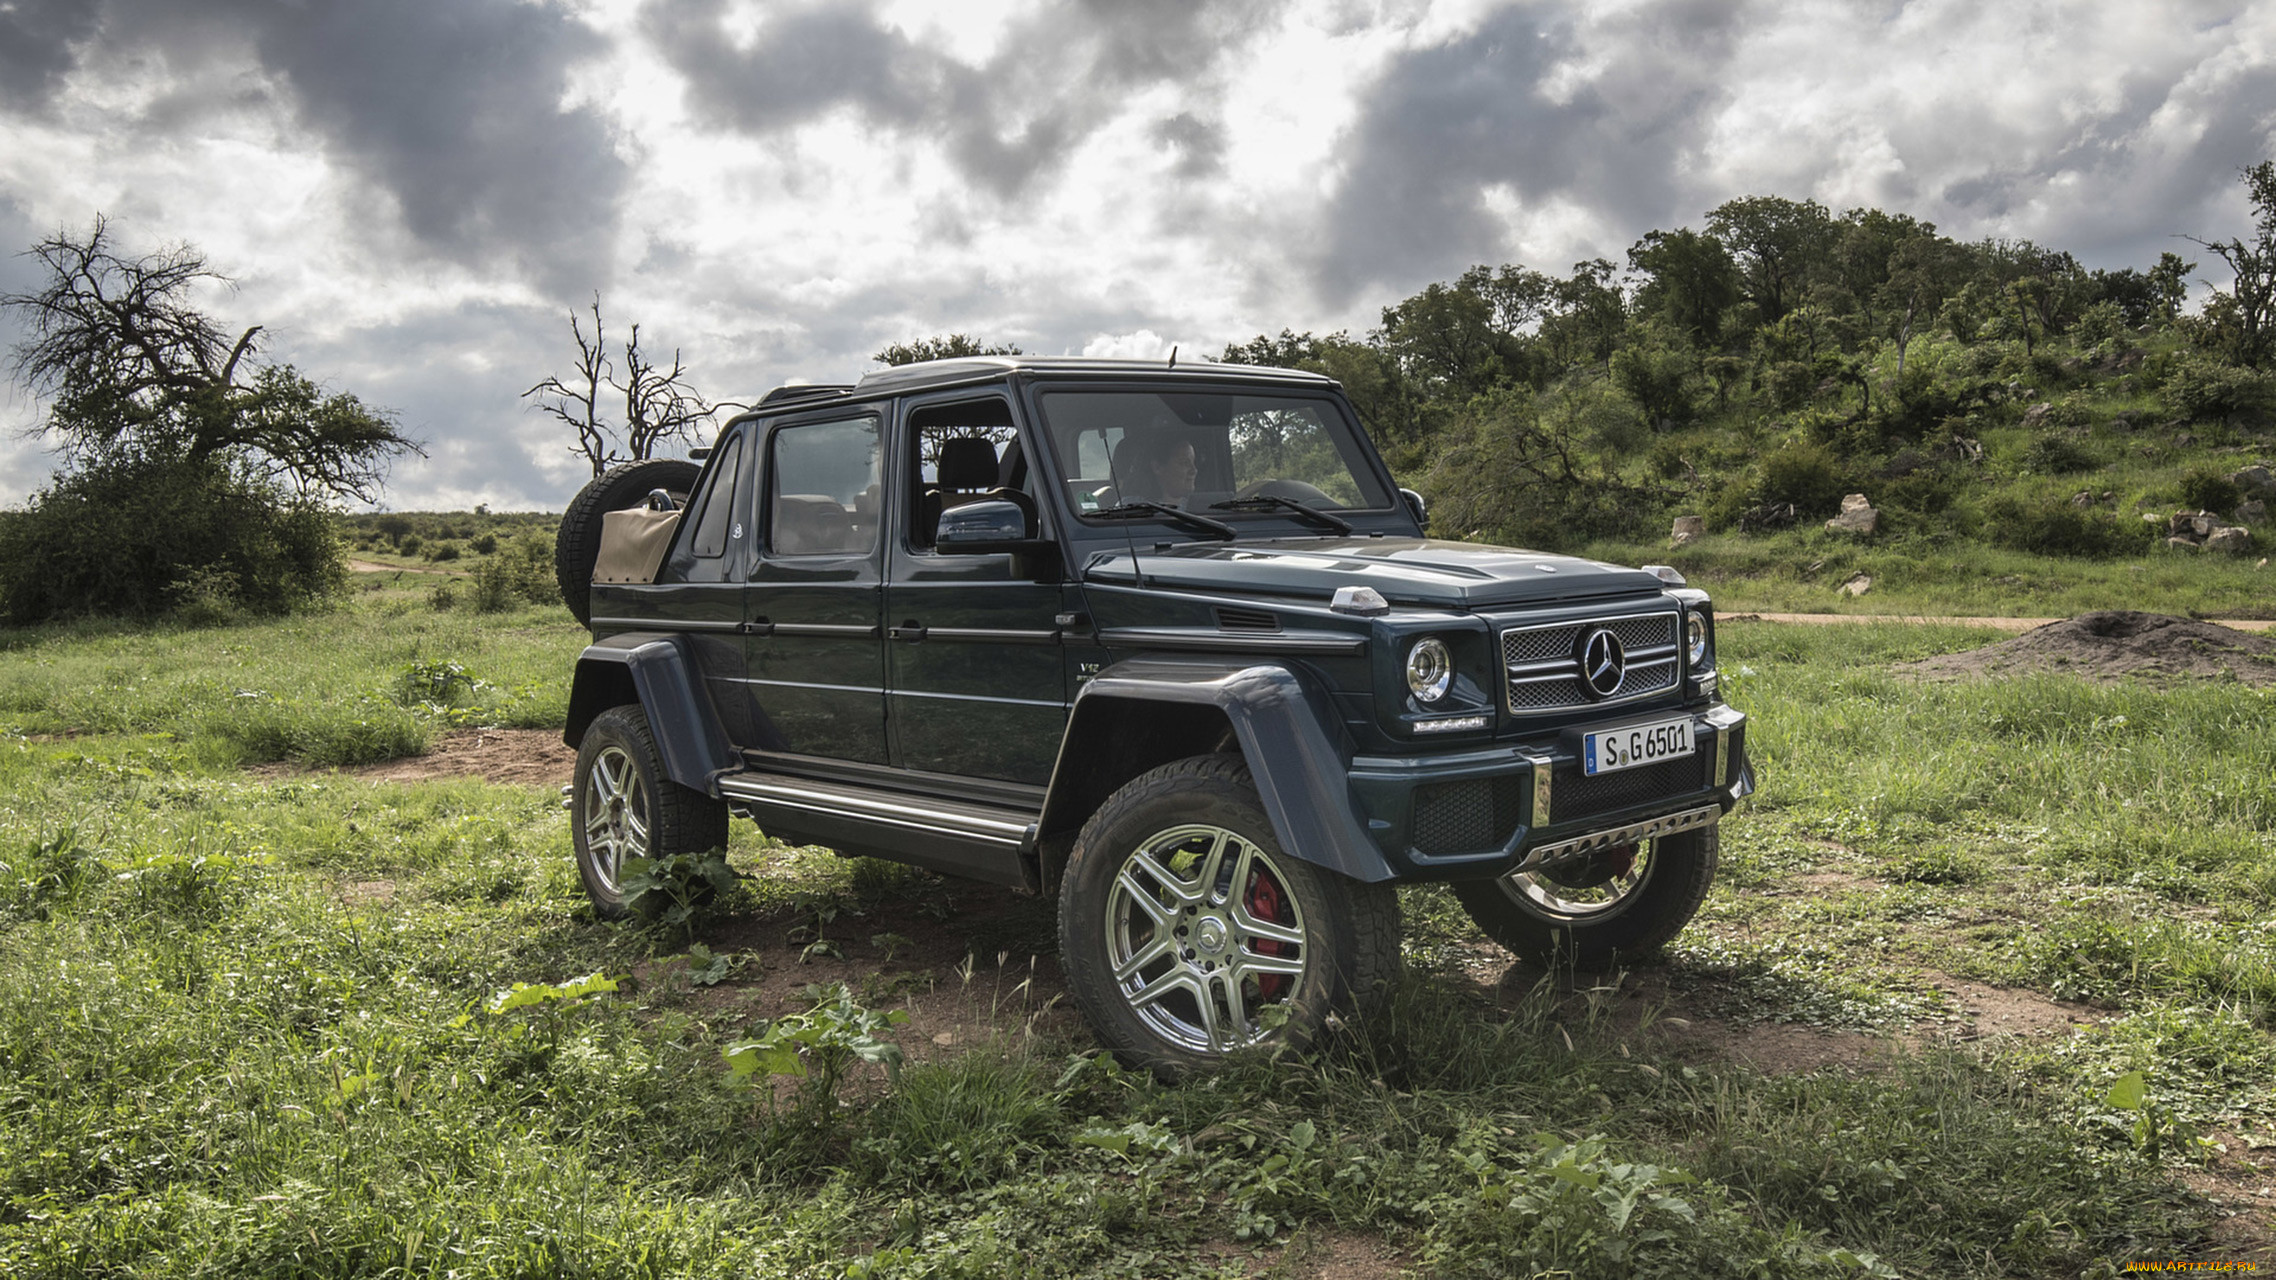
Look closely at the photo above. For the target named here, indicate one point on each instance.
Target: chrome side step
(1651, 828)
(985, 824)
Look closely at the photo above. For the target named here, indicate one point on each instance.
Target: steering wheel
(1294, 489)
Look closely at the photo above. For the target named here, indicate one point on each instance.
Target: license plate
(1612, 750)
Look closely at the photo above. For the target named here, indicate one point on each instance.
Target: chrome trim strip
(834, 630)
(1651, 828)
(1219, 642)
(987, 635)
(666, 624)
(970, 826)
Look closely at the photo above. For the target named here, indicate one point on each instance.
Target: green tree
(1779, 245)
(954, 346)
(131, 368)
(1689, 280)
(2240, 322)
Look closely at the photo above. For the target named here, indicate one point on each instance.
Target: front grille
(1541, 673)
(1469, 816)
(1577, 796)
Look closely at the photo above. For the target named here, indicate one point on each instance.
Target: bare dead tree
(130, 365)
(577, 400)
(660, 404)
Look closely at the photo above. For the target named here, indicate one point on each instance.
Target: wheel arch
(654, 671)
(1142, 713)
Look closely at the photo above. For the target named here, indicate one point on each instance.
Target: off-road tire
(620, 747)
(1350, 930)
(1674, 882)
(577, 547)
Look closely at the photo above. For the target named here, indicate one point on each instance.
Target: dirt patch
(524, 757)
(373, 566)
(2116, 645)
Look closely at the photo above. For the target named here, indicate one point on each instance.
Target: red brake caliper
(1266, 903)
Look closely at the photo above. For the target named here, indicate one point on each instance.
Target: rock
(1857, 585)
(1857, 516)
(2232, 540)
(2181, 544)
(2263, 563)
(2037, 413)
(1688, 529)
(2205, 524)
(2253, 512)
(2186, 441)
(2253, 479)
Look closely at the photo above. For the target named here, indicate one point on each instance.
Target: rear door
(816, 601)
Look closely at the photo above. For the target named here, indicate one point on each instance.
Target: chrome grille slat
(1539, 674)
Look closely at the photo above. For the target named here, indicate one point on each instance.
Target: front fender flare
(1287, 732)
(655, 670)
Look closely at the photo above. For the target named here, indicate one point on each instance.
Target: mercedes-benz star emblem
(1603, 663)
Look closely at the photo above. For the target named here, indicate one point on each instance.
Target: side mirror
(1416, 504)
(987, 527)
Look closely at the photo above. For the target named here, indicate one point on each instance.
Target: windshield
(1230, 456)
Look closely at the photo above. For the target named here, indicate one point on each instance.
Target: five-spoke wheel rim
(1204, 938)
(1599, 885)
(615, 814)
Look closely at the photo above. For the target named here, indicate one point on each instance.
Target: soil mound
(2117, 644)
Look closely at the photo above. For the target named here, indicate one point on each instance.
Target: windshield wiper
(1187, 520)
(1278, 502)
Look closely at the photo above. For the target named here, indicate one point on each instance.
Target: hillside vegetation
(1989, 397)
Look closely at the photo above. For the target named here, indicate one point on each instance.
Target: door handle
(911, 631)
(758, 627)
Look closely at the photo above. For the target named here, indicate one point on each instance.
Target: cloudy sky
(411, 195)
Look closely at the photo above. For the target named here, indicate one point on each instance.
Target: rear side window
(721, 499)
(823, 488)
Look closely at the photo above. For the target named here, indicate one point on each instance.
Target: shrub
(140, 536)
(1804, 473)
(2059, 455)
(521, 571)
(2210, 491)
(2060, 529)
(409, 544)
(443, 551)
(486, 545)
(2203, 391)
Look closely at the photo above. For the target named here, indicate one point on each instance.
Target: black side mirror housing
(988, 527)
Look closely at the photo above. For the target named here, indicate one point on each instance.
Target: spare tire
(624, 486)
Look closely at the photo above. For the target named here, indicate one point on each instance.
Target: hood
(1409, 571)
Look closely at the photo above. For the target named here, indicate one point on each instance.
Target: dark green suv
(1166, 641)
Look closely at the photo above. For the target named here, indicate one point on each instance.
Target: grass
(246, 1028)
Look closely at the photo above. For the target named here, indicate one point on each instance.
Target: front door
(976, 674)
(814, 612)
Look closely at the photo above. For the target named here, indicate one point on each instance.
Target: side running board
(982, 842)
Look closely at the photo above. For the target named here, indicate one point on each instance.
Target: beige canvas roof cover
(633, 544)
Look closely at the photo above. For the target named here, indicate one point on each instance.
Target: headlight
(1695, 635)
(1429, 669)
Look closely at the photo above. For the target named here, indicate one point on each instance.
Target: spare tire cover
(578, 544)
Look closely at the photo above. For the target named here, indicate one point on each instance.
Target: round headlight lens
(1430, 671)
(1695, 632)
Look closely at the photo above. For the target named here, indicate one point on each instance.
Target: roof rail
(804, 391)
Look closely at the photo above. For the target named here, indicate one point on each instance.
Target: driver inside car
(1156, 466)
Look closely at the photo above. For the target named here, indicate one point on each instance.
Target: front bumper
(1485, 813)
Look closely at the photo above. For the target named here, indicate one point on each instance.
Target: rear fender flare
(1145, 712)
(654, 670)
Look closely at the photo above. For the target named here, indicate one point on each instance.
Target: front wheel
(1605, 909)
(624, 806)
(1188, 933)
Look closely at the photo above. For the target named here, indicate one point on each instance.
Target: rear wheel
(577, 547)
(1610, 907)
(623, 806)
(1189, 934)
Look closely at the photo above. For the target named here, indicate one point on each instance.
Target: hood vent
(1250, 620)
